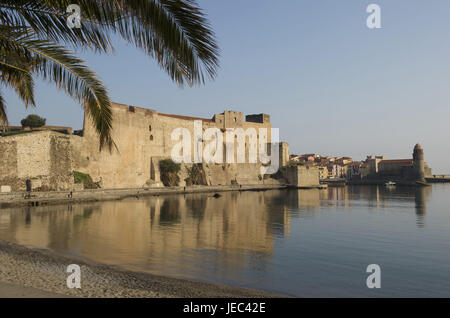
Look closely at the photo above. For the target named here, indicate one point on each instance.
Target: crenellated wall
(143, 137)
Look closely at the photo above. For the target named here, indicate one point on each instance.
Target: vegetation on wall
(14, 132)
(85, 179)
(169, 172)
(196, 175)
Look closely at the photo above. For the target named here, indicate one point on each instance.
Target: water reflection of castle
(159, 230)
(383, 197)
(305, 202)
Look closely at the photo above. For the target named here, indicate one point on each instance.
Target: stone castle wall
(44, 157)
(301, 176)
(143, 137)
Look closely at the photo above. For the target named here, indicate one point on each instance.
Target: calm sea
(306, 243)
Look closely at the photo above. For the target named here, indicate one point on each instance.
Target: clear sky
(331, 85)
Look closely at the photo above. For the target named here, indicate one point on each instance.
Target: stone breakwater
(42, 270)
(65, 197)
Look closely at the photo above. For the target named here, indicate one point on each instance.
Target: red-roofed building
(397, 169)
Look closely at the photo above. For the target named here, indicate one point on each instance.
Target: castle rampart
(44, 157)
(142, 137)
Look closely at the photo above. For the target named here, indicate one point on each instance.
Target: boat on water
(390, 184)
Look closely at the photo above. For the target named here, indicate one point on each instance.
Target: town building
(323, 172)
(380, 168)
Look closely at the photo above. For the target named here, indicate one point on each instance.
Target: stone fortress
(51, 156)
(143, 138)
(400, 170)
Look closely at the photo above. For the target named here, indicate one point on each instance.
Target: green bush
(14, 132)
(169, 166)
(85, 179)
(33, 121)
(169, 172)
(79, 177)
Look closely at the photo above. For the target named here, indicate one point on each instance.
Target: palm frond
(68, 72)
(174, 32)
(48, 19)
(20, 79)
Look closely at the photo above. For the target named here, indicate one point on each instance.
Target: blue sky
(330, 84)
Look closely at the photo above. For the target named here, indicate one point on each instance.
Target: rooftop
(406, 162)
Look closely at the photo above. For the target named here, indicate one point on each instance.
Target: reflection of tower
(418, 163)
(421, 195)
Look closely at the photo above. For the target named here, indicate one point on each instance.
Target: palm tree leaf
(69, 73)
(175, 32)
(163, 30)
(15, 75)
(48, 19)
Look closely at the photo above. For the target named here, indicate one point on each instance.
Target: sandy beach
(29, 272)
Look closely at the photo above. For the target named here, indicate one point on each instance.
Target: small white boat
(390, 184)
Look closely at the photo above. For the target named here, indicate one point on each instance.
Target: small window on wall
(149, 127)
(131, 109)
(234, 119)
(151, 137)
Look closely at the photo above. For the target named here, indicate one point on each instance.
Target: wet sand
(17, 291)
(29, 272)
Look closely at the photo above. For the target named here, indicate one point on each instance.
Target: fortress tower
(418, 163)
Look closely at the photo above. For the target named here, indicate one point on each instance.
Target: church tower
(418, 163)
